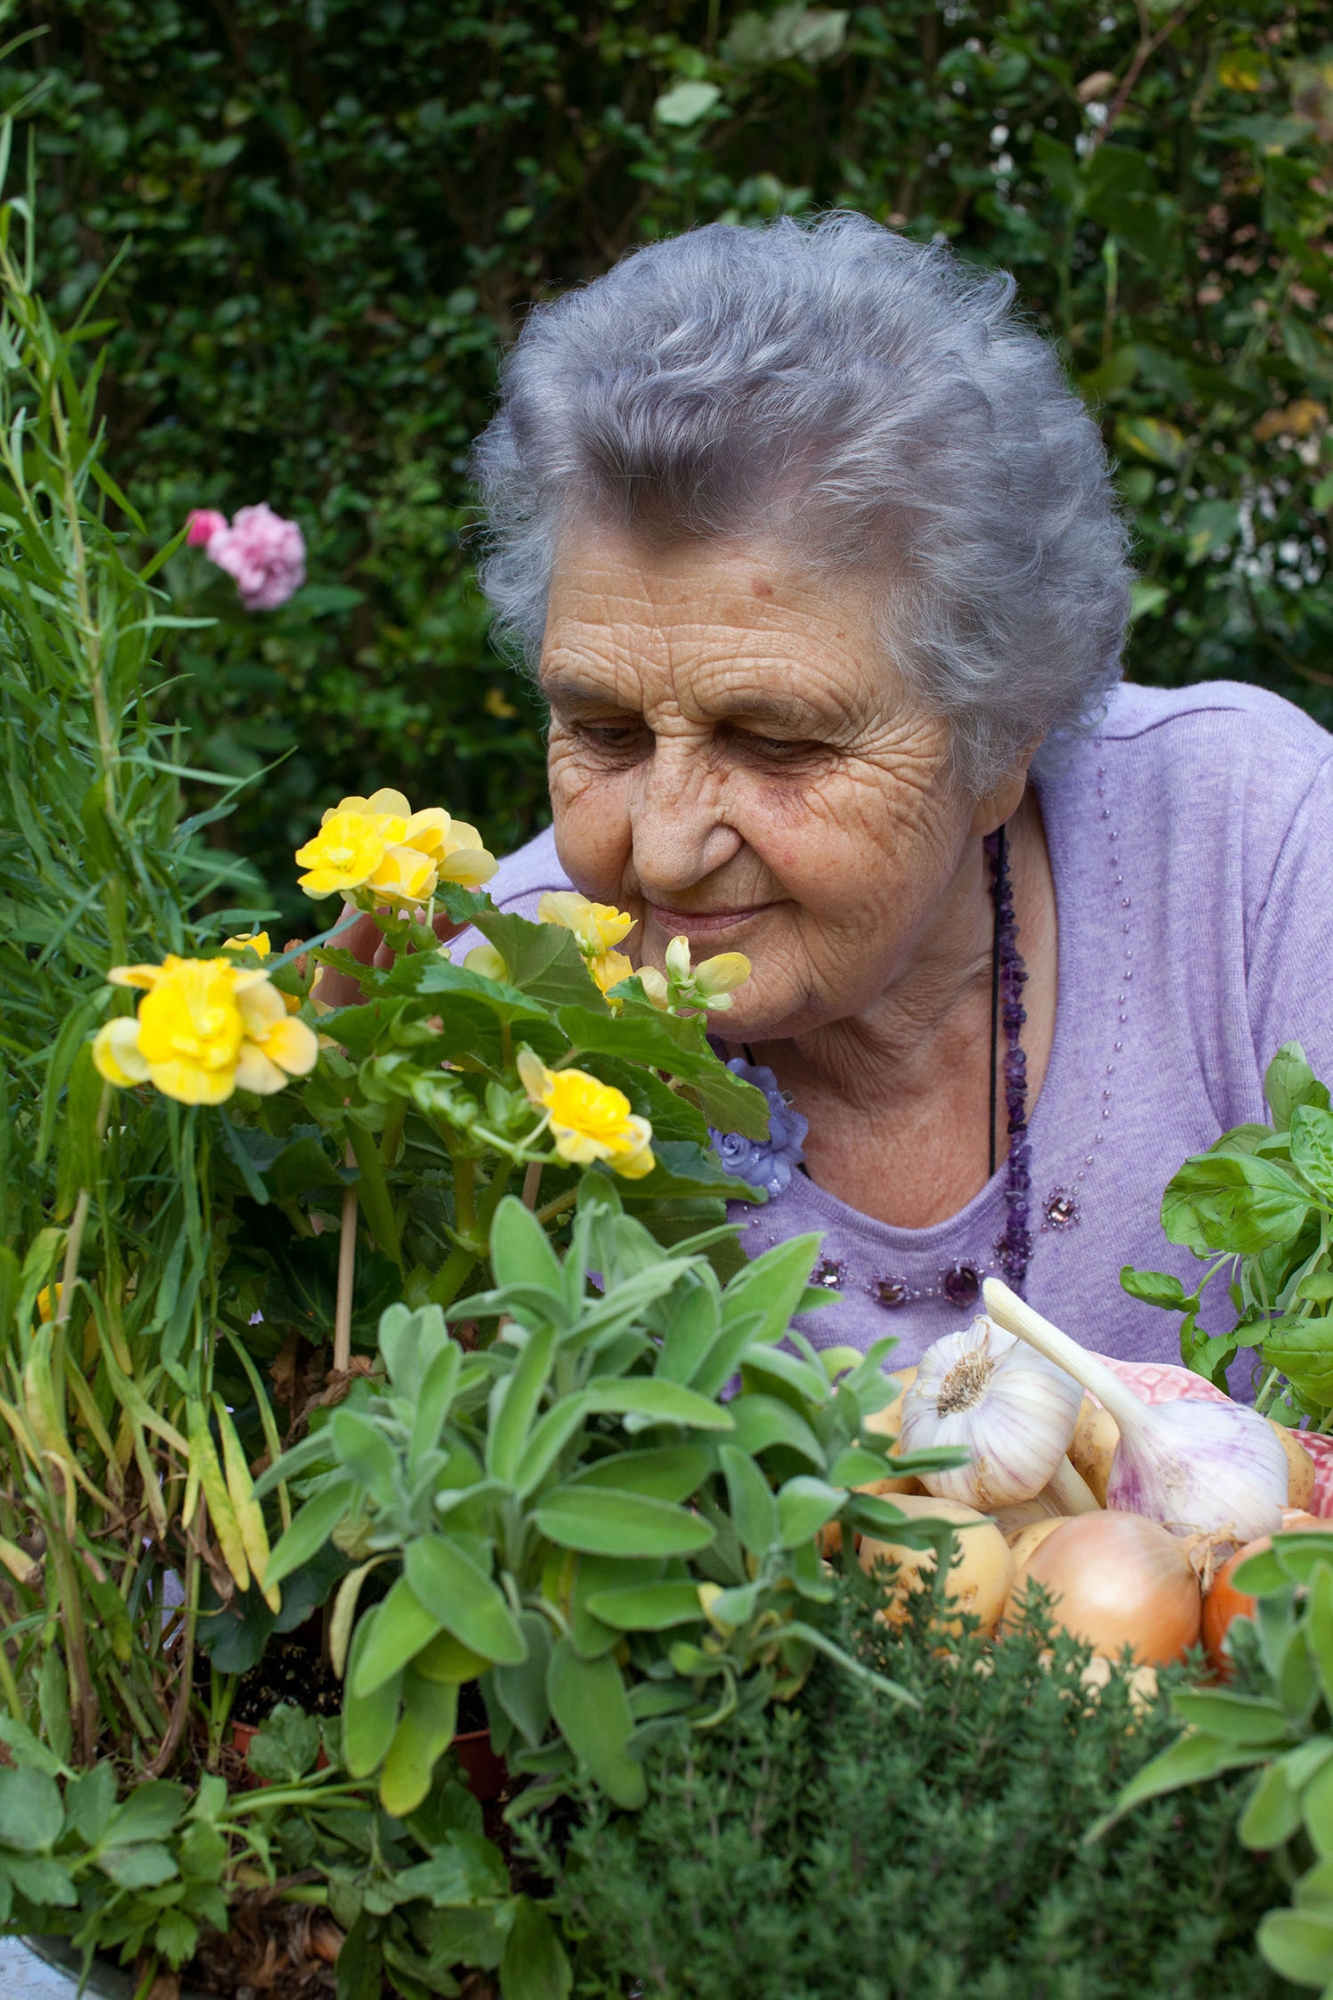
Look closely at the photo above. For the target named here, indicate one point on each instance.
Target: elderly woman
(818, 563)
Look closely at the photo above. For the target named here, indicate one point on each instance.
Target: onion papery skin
(1117, 1580)
(1224, 1604)
(1199, 1467)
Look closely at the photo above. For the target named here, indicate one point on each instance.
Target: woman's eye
(774, 749)
(616, 739)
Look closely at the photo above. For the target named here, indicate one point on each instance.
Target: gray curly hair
(873, 402)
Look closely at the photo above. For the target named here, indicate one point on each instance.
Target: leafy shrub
(849, 1846)
(340, 212)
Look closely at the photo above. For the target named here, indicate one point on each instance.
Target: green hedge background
(337, 212)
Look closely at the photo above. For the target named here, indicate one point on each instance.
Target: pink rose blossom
(205, 522)
(264, 553)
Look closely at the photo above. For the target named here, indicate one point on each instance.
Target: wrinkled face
(731, 758)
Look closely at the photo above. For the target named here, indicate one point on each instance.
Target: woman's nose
(680, 834)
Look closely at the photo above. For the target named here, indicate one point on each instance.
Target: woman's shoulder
(1230, 722)
(529, 871)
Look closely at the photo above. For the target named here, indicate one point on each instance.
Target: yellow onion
(979, 1579)
(1117, 1580)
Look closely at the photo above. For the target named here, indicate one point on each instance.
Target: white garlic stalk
(1014, 1412)
(1196, 1467)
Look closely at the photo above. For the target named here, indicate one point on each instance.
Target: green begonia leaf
(679, 1045)
(31, 1810)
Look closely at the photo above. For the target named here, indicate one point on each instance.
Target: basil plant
(609, 1515)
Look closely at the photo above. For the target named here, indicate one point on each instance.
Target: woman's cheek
(592, 829)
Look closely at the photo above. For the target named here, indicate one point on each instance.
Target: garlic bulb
(1013, 1411)
(1196, 1467)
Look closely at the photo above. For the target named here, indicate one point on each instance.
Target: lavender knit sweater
(1191, 840)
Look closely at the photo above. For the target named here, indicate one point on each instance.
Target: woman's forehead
(733, 630)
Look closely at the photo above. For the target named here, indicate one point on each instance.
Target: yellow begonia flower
(380, 844)
(343, 855)
(722, 974)
(589, 1120)
(486, 960)
(709, 985)
(655, 986)
(276, 1046)
(116, 1053)
(205, 1026)
(609, 968)
(190, 1030)
(385, 803)
(597, 926)
(464, 859)
(256, 941)
(405, 875)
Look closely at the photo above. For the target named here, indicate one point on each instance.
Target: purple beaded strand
(1014, 1247)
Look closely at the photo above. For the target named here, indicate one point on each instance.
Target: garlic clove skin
(1011, 1409)
(1207, 1467)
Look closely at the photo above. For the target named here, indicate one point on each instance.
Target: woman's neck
(898, 1096)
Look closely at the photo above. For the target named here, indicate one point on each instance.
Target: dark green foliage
(852, 1847)
(339, 209)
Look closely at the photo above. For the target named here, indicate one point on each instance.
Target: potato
(1096, 1436)
(1024, 1540)
(1300, 1467)
(980, 1578)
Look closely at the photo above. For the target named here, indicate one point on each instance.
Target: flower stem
(342, 1316)
(559, 1205)
(532, 1181)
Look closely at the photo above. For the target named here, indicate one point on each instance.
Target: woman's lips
(703, 923)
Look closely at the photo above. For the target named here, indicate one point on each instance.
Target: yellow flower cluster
(599, 927)
(380, 844)
(205, 1027)
(708, 986)
(589, 1120)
